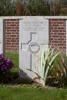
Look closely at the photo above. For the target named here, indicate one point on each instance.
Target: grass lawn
(26, 91)
(29, 93)
(15, 58)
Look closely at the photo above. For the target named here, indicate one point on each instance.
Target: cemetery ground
(15, 89)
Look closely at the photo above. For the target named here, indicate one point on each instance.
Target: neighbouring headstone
(66, 37)
(33, 33)
(1, 36)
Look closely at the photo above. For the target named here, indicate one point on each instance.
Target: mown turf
(15, 58)
(29, 92)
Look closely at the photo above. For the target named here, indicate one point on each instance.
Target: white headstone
(66, 37)
(33, 32)
(1, 35)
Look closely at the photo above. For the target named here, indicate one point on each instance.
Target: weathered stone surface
(1, 36)
(34, 33)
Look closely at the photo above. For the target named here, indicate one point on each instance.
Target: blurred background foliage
(33, 7)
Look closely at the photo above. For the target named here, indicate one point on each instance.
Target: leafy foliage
(32, 7)
(59, 71)
(47, 60)
(5, 64)
(38, 8)
(7, 8)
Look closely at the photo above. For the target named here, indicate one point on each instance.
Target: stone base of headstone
(29, 76)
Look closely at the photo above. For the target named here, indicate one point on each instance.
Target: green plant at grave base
(59, 71)
(53, 69)
(46, 63)
(47, 60)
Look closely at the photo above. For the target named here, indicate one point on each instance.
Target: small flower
(3, 67)
(62, 74)
(57, 74)
(61, 70)
(5, 64)
(63, 62)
